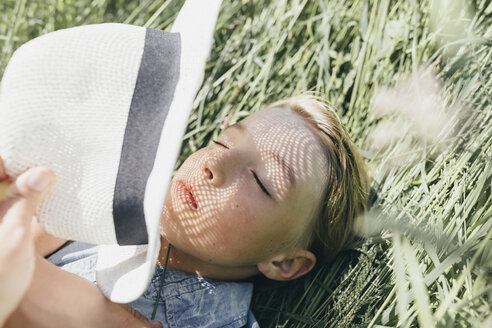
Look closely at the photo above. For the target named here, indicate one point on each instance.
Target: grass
(426, 259)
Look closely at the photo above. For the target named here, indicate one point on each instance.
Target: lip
(186, 196)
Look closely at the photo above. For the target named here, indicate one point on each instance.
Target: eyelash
(260, 184)
(258, 181)
(220, 144)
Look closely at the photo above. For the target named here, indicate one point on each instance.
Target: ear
(288, 267)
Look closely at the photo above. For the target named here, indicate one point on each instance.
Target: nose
(220, 167)
(214, 170)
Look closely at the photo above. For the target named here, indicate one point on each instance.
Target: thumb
(33, 183)
(25, 193)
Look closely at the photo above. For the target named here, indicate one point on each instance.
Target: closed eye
(258, 181)
(261, 184)
(220, 144)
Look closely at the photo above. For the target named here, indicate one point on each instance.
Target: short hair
(347, 184)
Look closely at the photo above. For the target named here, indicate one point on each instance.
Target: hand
(54, 298)
(57, 298)
(18, 202)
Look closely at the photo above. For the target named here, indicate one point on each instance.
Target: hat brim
(124, 272)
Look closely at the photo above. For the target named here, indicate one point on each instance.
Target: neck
(182, 261)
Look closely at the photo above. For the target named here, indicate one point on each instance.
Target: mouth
(186, 196)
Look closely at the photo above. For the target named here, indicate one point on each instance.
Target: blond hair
(347, 184)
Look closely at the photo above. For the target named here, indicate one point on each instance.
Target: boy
(276, 193)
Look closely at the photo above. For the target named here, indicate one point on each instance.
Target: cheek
(242, 214)
(252, 232)
(236, 230)
(235, 219)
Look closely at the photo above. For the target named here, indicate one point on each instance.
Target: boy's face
(248, 197)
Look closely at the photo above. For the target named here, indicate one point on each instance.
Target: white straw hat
(105, 107)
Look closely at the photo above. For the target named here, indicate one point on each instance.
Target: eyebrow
(238, 125)
(287, 170)
(285, 167)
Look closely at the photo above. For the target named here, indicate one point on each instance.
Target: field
(412, 81)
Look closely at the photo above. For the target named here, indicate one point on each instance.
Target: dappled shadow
(250, 194)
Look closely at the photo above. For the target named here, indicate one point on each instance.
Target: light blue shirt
(185, 301)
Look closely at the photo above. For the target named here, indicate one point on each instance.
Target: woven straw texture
(58, 90)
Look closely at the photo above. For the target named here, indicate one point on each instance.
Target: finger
(3, 172)
(33, 183)
(137, 315)
(26, 193)
(155, 324)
